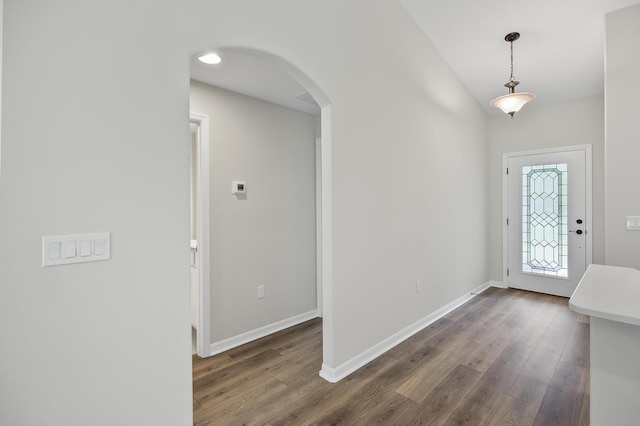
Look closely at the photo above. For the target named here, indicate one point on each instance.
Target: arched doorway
(233, 80)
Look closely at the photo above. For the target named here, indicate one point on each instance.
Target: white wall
(622, 135)
(577, 122)
(409, 167)
(1, 32)
(268, 237)
(95, 119)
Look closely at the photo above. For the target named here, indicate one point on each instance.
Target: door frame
(588, 200)
(319, 296)
(203, 335)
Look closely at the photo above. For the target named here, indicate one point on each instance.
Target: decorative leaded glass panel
(544, 220)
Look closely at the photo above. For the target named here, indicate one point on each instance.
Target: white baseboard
(498, 284)
(334, 375)
(241, 339)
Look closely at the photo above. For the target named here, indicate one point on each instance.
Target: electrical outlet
(418, 286)
(260, 291)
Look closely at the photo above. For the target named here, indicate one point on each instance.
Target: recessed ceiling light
(210, 58)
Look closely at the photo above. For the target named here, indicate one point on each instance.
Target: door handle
(579, 231)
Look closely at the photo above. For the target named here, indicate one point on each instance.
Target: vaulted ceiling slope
(559, 56)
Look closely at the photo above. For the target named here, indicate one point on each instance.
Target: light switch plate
(66, 249)
(633, 223)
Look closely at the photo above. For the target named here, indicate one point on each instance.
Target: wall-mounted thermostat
(238, 187)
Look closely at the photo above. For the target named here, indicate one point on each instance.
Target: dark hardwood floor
(507, 357)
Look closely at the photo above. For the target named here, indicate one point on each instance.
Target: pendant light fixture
(512, 102)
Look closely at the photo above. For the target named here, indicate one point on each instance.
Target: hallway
(505, 357)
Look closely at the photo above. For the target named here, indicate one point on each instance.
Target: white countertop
(609, 292)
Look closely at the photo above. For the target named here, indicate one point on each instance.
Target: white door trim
(319, 226)
(203, 345)
(588, 199)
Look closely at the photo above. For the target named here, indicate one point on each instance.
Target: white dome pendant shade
(512, 102)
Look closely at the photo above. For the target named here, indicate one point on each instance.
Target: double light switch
(65, 249)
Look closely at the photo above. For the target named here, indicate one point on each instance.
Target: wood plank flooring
(507, 357)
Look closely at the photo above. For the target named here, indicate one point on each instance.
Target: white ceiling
(559, 56)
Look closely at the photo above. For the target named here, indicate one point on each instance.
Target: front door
(548, 244)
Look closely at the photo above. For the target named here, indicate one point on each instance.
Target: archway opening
(243, 74)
